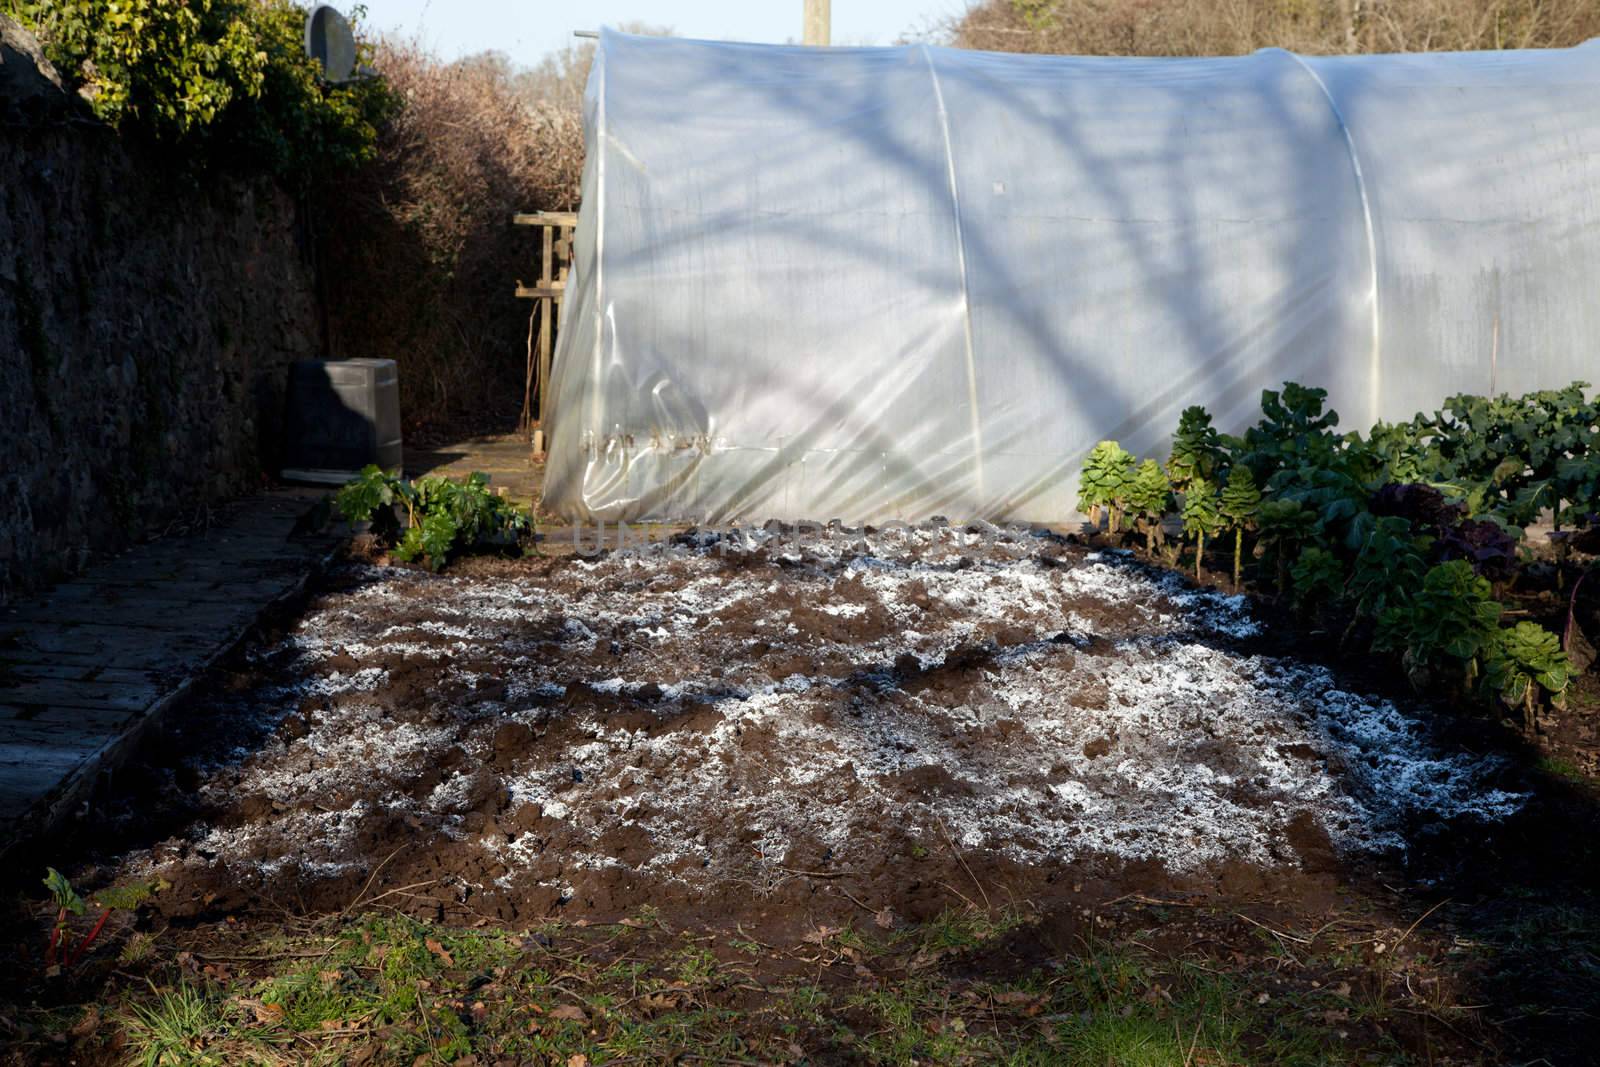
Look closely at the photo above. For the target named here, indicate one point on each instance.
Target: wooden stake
(818, 23)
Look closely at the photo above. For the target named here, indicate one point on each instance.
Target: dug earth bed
(833, 750)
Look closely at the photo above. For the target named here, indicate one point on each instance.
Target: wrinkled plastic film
(892, 283)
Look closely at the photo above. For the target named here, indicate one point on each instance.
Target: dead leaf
(88, 1024)
(634, 923)
(657, 1002)
(439, 950)
(570, 1012)
(884, 918)
(265, 1014)
(577, 1059)
(820, 934)
(330, 977)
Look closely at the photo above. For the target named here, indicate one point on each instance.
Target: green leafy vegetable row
(1407, 531)
(433, 519)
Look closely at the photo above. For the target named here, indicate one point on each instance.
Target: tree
(1325, 27)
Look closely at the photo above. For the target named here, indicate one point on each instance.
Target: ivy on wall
(227, 82)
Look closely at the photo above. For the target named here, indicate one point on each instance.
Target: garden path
(88, 666)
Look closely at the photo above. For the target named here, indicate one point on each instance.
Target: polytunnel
(881, 283)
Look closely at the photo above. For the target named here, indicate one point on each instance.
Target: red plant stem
(88, 940)
(55, 938)
(1572, 613)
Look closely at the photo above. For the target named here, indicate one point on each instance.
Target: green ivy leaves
(227, 78)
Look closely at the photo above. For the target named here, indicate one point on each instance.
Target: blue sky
(528, 29)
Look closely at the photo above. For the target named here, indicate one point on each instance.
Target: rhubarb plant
(67, 902)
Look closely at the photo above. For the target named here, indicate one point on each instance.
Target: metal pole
(818, 22)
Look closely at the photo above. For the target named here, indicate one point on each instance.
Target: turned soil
(776, 734)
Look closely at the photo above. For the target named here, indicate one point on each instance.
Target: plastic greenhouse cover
(877, 283)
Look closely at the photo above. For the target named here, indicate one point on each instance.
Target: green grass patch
(380, 989)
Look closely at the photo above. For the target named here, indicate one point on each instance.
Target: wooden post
(546, 277)
(818, 20)
(555, 261)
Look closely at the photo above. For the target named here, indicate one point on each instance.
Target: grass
(381, 989)
(176, 1025)
(1565, 769)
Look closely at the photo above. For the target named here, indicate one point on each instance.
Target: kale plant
(1490, 547)
(1389, 567)
(1196, 449)
(1317, 576)
(442, 517)
(1285, 526)
(1294, 432)
(1240, 502)
(1523, 661)
(1105, 481)
(1450, 622)
(1202, 517)
(1149, 499)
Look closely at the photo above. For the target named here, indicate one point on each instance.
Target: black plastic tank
(343, 414)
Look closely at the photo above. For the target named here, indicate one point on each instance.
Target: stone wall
(147, 320)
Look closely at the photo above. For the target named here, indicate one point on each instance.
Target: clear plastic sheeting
(891, 283)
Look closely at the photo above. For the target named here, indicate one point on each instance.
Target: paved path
(86, 667)
(505, 458)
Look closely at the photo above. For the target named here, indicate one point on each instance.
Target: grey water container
(343, 414)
